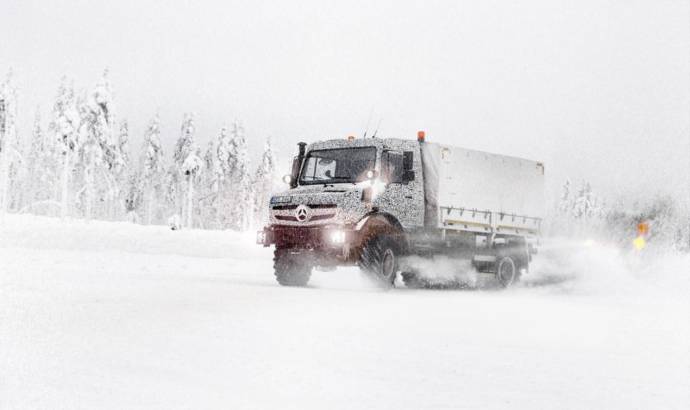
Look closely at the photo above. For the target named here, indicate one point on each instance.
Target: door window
(392, 167)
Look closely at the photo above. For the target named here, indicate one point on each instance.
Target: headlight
(337, 237)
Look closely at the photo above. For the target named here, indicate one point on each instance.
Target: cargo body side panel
(483, 192)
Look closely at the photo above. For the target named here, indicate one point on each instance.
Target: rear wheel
(379, 259)
(291, 268)
(507, 271)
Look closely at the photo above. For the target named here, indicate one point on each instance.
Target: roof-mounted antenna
(371, 112)
(377, 128)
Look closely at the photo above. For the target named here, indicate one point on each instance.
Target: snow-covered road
(112, 315)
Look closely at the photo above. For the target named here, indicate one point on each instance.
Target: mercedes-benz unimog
(376, 202)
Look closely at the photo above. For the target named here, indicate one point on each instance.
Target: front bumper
(306, 237)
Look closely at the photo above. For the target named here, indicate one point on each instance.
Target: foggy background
(597, 90)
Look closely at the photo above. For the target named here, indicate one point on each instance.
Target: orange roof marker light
(350, 137)
(421, 135)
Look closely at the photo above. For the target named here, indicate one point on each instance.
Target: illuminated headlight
(280, 199)
(261, 237)
(337, 237)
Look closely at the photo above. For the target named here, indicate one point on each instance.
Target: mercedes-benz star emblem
(302, 213)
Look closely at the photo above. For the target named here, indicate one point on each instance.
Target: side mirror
(296, 164)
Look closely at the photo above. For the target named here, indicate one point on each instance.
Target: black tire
(507, 271)
(380, 260)
(291, 268)
(412, 280)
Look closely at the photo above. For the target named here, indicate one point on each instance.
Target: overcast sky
(598, 89)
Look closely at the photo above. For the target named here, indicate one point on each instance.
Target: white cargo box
(482, 192)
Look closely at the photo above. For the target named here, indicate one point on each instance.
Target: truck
(378, 203)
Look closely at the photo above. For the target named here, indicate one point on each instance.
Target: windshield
(338, 165)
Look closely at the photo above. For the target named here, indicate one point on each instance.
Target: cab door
(403, 196)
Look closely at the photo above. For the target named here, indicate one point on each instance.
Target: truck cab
(339, 190)
(340, 181)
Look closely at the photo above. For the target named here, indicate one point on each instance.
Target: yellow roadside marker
(639, 243)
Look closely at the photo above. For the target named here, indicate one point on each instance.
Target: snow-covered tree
(10, 155)
(152, 170)
(565, 202)
(42, 174)
(98, 140)
(584, 202)
(184, 148)
(172, 183)
(191, 168)
(224, 153)
(209, 188)
(32, 159)
(117, 152)
(64, 129)
(264, 180)
(120, 170)
(240, 209)
(185, 144)
(223, 166)
(133, 197)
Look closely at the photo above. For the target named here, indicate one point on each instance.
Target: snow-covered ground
(112, 315)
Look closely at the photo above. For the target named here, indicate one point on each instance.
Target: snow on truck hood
(310, 205)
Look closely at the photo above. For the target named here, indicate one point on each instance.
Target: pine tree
(133, 197)
(10, 156)
(210, 188)
(184, 148)
(565, 203)
(64, 129)
(264, 179)
(583, 202)
(241, 212)
(120, 170)
(191, 168)
(41, 168)
(152, 170)
(172, 184)
(185, 143)
(225, 201)
(97, 155)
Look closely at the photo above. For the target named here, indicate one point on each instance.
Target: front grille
(312, 206)
(283, 207)
(288, 236)
(322, 206)
(321, 217)
(286, 218)
(313, 218)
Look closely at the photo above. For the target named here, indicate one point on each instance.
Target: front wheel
(379, 259)
(291, 268)
(413, 280)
